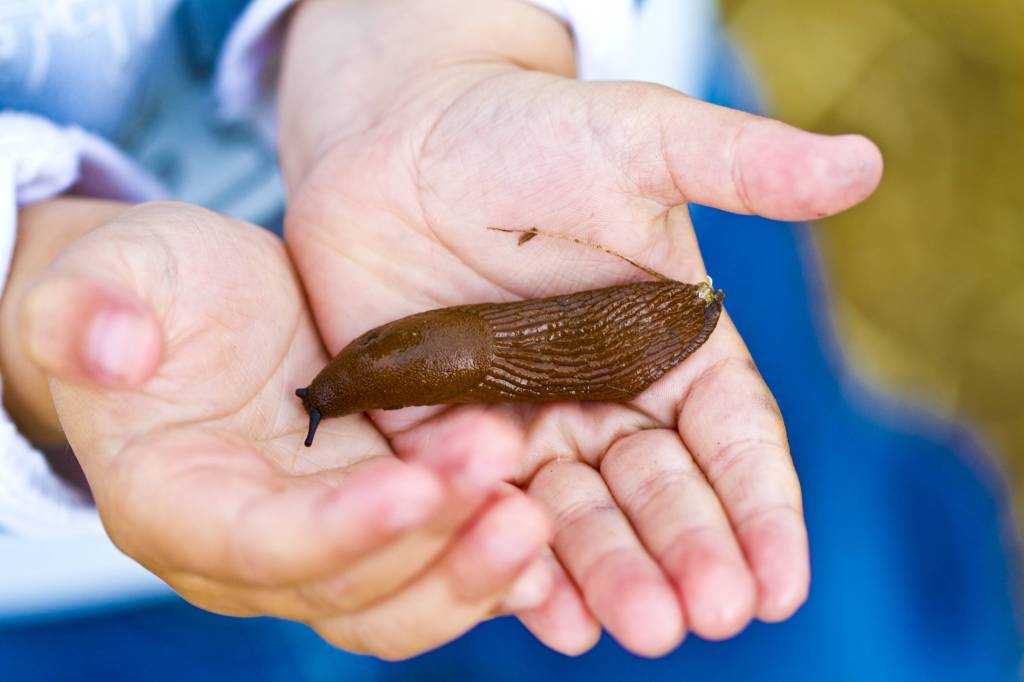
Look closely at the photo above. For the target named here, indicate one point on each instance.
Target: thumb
(78, 327)
(686, 150)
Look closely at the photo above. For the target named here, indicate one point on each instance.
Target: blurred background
(926, 279)
(891, 335)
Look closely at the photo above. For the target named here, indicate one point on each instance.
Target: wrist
(348, 62)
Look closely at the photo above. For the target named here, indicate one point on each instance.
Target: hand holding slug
(676, 511)
(168, 361)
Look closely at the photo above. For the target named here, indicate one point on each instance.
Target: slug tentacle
(314, 422)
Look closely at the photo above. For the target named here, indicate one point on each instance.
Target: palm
(397, 213)
(186, 468)
(236, 336)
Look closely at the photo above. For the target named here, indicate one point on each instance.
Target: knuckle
(661, 489)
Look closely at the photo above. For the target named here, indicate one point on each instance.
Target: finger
(383, 571)
(470, 451)
(620, 582)
(202, 502)
(730, 422)
(231, 599)
(680, 520)
(379, 573)
(470, 448)
(686, 150)
(79, 328)
(531, 589)
(463, 588)
(562, 622)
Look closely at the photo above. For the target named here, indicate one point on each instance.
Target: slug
(604, 345)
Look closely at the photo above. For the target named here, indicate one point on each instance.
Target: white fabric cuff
(241, 81)
(669, 41)
(39, 160)
(604, 33)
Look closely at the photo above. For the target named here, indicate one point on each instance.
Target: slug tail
(314, 421)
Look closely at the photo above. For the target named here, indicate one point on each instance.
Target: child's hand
(408, 127)
(174, 338)
(44, 230)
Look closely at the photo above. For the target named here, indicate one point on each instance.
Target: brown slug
(604, 344)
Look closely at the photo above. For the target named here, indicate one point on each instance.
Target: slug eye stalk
(314, 417)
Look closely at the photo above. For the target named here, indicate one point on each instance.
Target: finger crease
(726, 458)
(738, 181)
(761, 513)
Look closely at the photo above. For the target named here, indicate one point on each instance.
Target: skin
(170, 369)
(44, 231)
(408, 126)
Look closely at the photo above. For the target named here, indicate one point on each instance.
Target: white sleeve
(603, 32)
(668, 42)
(39, 160)
(240, 78)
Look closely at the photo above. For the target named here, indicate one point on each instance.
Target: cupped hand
(680, 510)
(174, 339)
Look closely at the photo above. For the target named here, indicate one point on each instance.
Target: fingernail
(855, 160)
(117, 345)
(531, 589)
(511, 540)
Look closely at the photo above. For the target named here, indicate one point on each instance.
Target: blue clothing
(96, 64)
